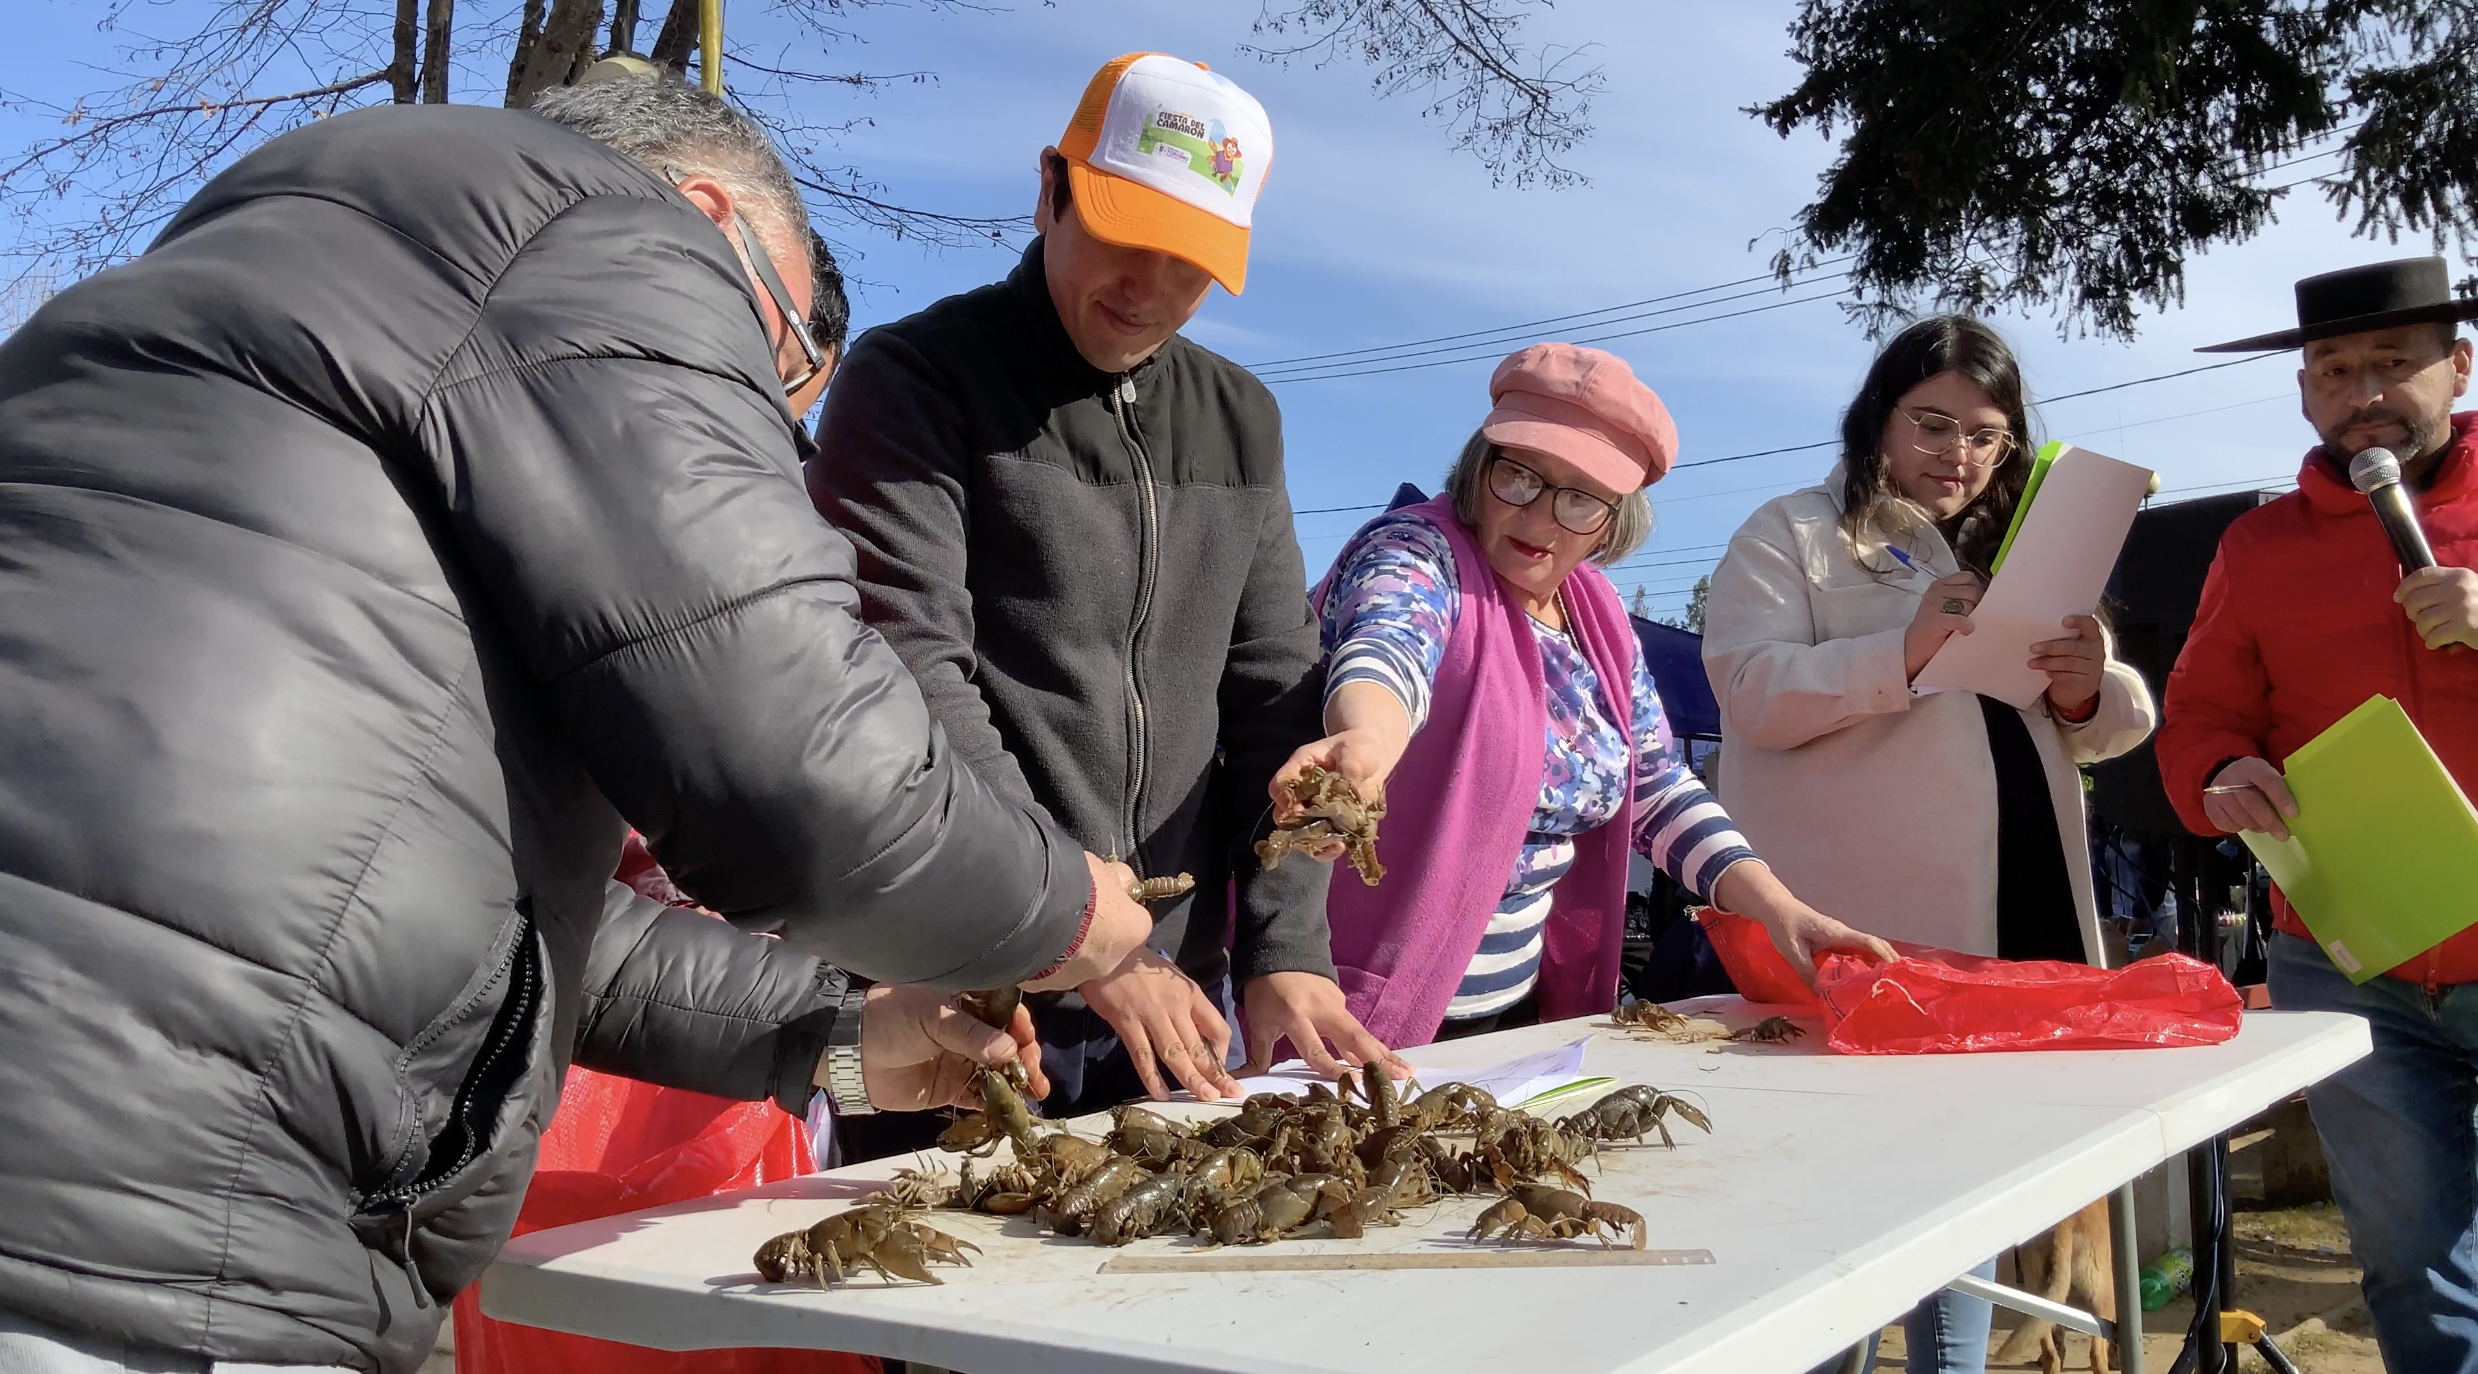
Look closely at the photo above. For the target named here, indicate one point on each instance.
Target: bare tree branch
(1517, 113)
(859, 81)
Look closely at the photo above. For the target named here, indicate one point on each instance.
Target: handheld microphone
(2378, 474)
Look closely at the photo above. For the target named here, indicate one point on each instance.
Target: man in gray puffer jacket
(422, 504)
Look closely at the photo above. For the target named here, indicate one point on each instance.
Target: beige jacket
(1872, 804)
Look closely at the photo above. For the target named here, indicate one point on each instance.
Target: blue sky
(1373, 231)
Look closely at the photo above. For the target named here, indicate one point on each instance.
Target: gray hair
(1628, 526)
(674, 127)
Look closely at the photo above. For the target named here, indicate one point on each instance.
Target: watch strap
(847, 1087)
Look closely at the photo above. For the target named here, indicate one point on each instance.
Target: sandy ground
(2293, 1271)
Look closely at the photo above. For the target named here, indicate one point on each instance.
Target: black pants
(2035, 916)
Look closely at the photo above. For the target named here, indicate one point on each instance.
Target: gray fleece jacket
(1095, 579)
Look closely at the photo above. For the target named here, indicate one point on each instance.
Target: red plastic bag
(618, 1145)
(1935, 1001)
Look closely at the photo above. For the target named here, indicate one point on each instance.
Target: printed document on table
(1534, 1077)
(2057, 566)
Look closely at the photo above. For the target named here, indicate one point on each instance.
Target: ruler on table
(1233, 1262)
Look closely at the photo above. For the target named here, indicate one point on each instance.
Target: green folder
(2382, 859)
(2030, 488)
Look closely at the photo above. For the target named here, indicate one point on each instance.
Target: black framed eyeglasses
(814, 359)
(1574, 509)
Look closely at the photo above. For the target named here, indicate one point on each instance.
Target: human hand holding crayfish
(1119, 926)
(1369, 729)
(919, 1050)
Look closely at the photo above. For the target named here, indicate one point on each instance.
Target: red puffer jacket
(2297, 628)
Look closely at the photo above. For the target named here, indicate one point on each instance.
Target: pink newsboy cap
(1586, 407)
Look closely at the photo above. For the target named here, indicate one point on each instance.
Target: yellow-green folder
(2030, 492)
(2382, 859)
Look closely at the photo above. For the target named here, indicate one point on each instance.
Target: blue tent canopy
(1675, 658)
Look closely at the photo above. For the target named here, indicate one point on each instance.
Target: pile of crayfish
(1340, 1159)
(1330, 809)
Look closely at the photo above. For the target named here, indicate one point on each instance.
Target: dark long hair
(1939, 343)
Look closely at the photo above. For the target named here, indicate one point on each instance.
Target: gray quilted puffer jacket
(420, 506)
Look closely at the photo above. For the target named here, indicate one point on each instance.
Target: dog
(2071, 1264)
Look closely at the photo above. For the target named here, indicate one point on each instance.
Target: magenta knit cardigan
(1460, 803)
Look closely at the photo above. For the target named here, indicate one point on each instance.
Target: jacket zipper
(460, 1112)
(1147, 557)
(2410, 645)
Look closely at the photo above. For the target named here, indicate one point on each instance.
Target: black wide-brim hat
(2359, 300)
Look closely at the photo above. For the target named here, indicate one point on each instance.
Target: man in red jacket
(2305, 615)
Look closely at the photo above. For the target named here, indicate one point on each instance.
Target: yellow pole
(710, 45)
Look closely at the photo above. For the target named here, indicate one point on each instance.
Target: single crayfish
(1653, 1019)
(1331, 808)
(1535, 1211)
(1004, 1115)
(1772, 1030)
(874, 1235)
(1075, 1209)
(1633, 1112)
(1283, 1205)
(1375, 1086)
(1450, 1107)
(1514, 1146)
(1149, 1207)
(1006, 1191)
(914, 1189)
(1162, 889)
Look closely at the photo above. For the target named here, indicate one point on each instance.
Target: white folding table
(1833, 1193)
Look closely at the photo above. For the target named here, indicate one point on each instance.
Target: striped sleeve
(1389, 612)
(1679, 824)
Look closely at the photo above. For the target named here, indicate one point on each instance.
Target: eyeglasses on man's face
(813, 359)
(1575, 510)
(1936, 434)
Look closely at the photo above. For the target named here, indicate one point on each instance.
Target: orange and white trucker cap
(1165, 155)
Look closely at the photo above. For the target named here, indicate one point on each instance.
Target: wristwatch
(847, 1090)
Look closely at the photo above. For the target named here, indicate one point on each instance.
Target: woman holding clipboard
(1947, 819)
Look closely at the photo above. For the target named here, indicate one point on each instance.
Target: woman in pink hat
(1482, 673)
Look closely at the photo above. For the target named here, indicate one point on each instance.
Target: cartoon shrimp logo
(1225, 150)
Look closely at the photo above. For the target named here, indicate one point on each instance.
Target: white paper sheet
(2058, 566)
(1516, 1080)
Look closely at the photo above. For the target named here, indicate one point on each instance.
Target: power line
(1490, 353)
(1333, 365)
(1498, 338)
(2278, 479)
(2162, 377)
(1830, 443)
(1279, 364)
(2052, 400)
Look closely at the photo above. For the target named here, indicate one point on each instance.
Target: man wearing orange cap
(1072, 525)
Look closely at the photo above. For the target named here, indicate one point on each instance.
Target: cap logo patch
(1208, 150)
